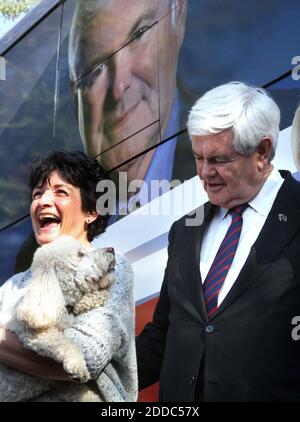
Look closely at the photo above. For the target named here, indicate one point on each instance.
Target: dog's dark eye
(80, 254)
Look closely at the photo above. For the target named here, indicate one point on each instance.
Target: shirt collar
(263, 201)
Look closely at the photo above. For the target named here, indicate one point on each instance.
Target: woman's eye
(61, 192)
(36, 194)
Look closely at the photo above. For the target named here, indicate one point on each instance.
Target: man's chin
(216, 199)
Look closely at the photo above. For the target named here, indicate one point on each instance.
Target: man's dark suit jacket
(245, 351)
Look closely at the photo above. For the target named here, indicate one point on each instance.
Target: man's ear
(180, 11)
(263, 150)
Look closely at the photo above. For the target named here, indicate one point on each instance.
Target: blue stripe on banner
(146, 299)
(148, 248)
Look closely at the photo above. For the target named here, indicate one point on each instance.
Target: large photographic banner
(116, 79)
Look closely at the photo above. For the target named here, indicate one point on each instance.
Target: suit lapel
(192, 254)
(281, 225)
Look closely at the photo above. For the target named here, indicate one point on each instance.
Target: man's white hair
(248, 111)
(296, 138)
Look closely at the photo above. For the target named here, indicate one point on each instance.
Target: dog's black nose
(110, 250)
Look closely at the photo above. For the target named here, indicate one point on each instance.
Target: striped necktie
(223, 260)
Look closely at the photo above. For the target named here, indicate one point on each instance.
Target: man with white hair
(123, 62)
(223, 326)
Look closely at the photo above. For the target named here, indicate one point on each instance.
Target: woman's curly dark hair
(79, 170)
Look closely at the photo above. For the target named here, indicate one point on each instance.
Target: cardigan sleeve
(104, 333)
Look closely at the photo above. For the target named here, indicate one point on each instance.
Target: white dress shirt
(254, 218)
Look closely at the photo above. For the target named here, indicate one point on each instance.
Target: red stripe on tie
(213, 266)
(229, 236)
(225, 249)
(214, 285)
(238, 217)
(222, 260)
(211, 297)
(219, 272)
(223, 256)
(212, 311)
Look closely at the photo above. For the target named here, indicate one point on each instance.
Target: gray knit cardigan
(105, 336)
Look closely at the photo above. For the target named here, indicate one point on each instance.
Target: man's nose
(206, 170)
(122, 73)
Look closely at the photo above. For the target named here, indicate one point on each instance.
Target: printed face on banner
(129, 58)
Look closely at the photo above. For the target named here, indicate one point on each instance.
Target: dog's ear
(43, 304)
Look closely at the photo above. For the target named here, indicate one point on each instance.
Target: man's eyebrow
(150, 18)
(195, 153)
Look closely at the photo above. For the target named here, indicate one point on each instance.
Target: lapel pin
(282, 217)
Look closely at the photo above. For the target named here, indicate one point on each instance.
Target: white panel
(149, 273)
(154, 218)
(284, 158)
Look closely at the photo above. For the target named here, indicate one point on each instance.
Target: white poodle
(67, 278)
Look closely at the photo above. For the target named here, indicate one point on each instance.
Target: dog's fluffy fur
(66, 279)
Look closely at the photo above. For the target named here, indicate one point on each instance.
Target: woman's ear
(91, 217)
(43, 304)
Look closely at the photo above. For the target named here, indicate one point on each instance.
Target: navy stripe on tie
(223, 260)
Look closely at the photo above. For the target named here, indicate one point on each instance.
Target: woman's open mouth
(48, 221)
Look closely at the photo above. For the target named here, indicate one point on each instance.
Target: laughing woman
(64, 199)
